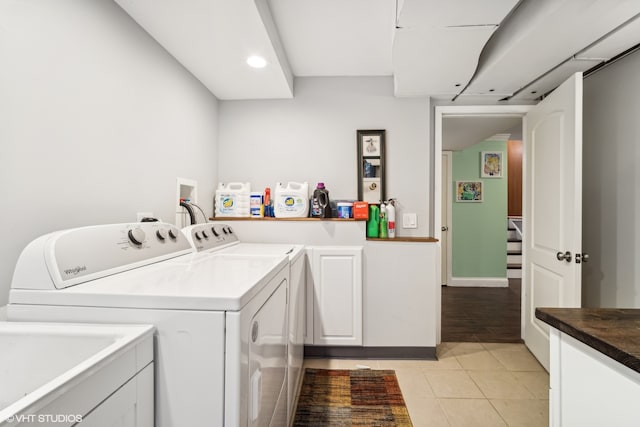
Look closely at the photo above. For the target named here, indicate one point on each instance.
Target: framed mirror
(371, 179)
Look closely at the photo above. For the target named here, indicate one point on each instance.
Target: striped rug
(363, 397)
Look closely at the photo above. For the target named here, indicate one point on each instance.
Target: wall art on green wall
(491, 164)
(468, 191)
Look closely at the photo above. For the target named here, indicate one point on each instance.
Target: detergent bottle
(320, 205)
(233, 199)
(291, 201)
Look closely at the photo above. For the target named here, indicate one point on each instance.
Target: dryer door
(268, 361)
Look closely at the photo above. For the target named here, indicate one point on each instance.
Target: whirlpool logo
(75, 270)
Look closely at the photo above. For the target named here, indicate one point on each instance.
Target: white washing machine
(208, 238)
(221, 320)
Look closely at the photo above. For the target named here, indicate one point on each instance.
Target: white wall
(96, 123)
(611, 185)
(313, 138)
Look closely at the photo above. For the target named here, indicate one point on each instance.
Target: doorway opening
(476, 312)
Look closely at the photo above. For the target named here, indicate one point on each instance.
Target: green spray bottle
(373, 223)
(383, 222)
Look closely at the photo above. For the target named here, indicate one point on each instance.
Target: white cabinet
(334, 299)
(589, 388)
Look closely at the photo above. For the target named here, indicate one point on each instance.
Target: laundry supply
(391, 218)
(291, 201)
(344, 209)
(373, 224)
(320, 204)
(268, 203)
(233, 199)
(255, 205)
(383, 221)
(361, 210)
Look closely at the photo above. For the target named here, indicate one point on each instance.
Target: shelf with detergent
(248, 218)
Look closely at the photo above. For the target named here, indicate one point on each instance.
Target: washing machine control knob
(161, 234)
(204, 234)
(172, 234)
(197, 235)
(230, 230)
(215, 233)
(224, 230)
(136, 236)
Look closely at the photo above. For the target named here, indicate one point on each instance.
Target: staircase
(514, 247)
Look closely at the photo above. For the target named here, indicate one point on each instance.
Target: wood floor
(481, 314)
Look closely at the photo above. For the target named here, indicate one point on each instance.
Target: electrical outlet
(409, 220)
(141, 215)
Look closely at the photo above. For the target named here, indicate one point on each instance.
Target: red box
(361, 210)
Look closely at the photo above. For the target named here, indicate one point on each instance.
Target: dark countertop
(614, 332)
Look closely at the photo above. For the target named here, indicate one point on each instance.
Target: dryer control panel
(69, 257)
(210, 237)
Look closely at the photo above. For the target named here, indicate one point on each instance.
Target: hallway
(481, 314)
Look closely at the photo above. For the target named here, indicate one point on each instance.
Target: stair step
(514, 266)
(514, 251)
(514, 273)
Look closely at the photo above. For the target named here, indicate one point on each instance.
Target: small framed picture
(491, 164)
(468, 191)
(371, 144)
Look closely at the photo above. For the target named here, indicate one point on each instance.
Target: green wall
(480, 229)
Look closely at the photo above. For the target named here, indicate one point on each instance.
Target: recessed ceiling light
(256, 61)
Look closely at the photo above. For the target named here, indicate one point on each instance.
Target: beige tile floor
(471, 384)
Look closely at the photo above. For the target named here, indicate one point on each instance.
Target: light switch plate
(409, 220)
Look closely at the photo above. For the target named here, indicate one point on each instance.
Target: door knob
(444, 228)
(583, 257)
(564, 256)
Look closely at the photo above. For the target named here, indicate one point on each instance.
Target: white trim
(448, 193)
(3, 313)
(480, 282)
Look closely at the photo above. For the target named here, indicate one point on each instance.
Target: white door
(446, 205)
(553, 209)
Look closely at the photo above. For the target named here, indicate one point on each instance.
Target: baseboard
(3, 313)
(351, 352)
(479, 282)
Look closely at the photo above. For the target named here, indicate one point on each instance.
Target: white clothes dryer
(216, 316)
(205, 238)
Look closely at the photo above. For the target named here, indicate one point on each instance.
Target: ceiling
(457, 50)
(460, 132)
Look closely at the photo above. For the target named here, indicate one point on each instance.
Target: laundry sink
(53, 373)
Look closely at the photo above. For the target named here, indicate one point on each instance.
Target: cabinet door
(337, 287)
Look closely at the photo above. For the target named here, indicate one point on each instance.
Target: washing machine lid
(224, 282)
(292, 251)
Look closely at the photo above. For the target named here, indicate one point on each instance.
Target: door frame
(447, 193)
(464, 111)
